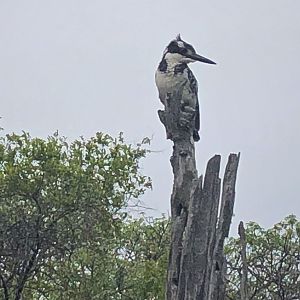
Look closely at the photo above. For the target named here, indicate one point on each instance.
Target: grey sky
(86, 66)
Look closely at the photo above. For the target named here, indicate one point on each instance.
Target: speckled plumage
(173, 73)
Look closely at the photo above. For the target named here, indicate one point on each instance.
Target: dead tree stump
(200, 219)
(244, 275)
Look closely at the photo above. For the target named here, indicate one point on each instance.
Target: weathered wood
(217, 280)
(244, 275)
(197, 265)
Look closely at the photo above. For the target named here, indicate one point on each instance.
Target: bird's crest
(178, 37)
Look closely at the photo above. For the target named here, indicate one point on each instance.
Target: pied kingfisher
(173, 72)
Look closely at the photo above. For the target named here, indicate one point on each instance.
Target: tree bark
(243, 289)
(197, 264)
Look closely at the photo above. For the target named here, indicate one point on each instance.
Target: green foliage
(129, 265)
(66, 233)
(273, 258)
(143, 257)
(60, 201)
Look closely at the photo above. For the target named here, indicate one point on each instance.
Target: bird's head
(178, 51)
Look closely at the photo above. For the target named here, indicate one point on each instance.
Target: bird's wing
(194, 89)
(197, 117)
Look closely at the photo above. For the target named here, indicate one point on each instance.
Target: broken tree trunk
(200, 221)
(244, 275)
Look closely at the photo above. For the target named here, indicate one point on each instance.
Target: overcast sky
(86, 66)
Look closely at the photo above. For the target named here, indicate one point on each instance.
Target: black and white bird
(173, 73)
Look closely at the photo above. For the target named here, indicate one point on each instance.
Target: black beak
(201, 58)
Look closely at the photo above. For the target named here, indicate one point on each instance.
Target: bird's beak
(201, 58)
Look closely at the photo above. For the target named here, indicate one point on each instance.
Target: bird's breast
(168, 82)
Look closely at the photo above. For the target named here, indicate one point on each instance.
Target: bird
(173, 73)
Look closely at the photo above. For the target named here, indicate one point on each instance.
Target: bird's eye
(183, 51)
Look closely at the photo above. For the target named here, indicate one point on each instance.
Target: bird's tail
(196, 136)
